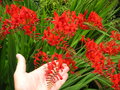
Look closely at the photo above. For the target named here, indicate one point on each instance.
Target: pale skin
(36, 79)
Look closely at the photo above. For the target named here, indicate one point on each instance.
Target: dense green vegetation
(15, 43)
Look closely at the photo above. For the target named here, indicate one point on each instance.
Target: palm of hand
(36, 79)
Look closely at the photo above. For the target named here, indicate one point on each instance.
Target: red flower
(54, 65)
(98, 61)
(38, 56)
(115, 35)
(115, 79)
(95, 20)
(111, 47)
(95, 56)
(81, 20)
(119, 65)
(5, 27)
(66, 24)
(83, 39)
(52, 39)
(12, 10)
(21, 17)
(29, 29)
(0, 1)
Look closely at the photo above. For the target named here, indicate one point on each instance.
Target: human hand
(36, 79)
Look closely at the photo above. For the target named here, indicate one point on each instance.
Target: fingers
(65, 70)
(64, 75)
(61, 82)
(41, 68)
(40, 72)
(21, 65)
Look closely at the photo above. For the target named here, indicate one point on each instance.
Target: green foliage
(20, 43)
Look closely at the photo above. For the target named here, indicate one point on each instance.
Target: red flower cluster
(119, 65)
(0, 1)
(38, 56)
(93, 20)
(65, 27)
(95, 56)
(66, 24)
(52, 39)
(81, 22)
(115, 35)
(102, 64)
(116, 81)
(59, 58)
(56, 64)
(111, 47)
(22, 18)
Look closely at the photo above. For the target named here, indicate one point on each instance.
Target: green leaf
(82, 83)
(11, 59)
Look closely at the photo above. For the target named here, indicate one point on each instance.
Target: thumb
(21, 65)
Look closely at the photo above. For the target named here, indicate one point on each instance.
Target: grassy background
(19, 43)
